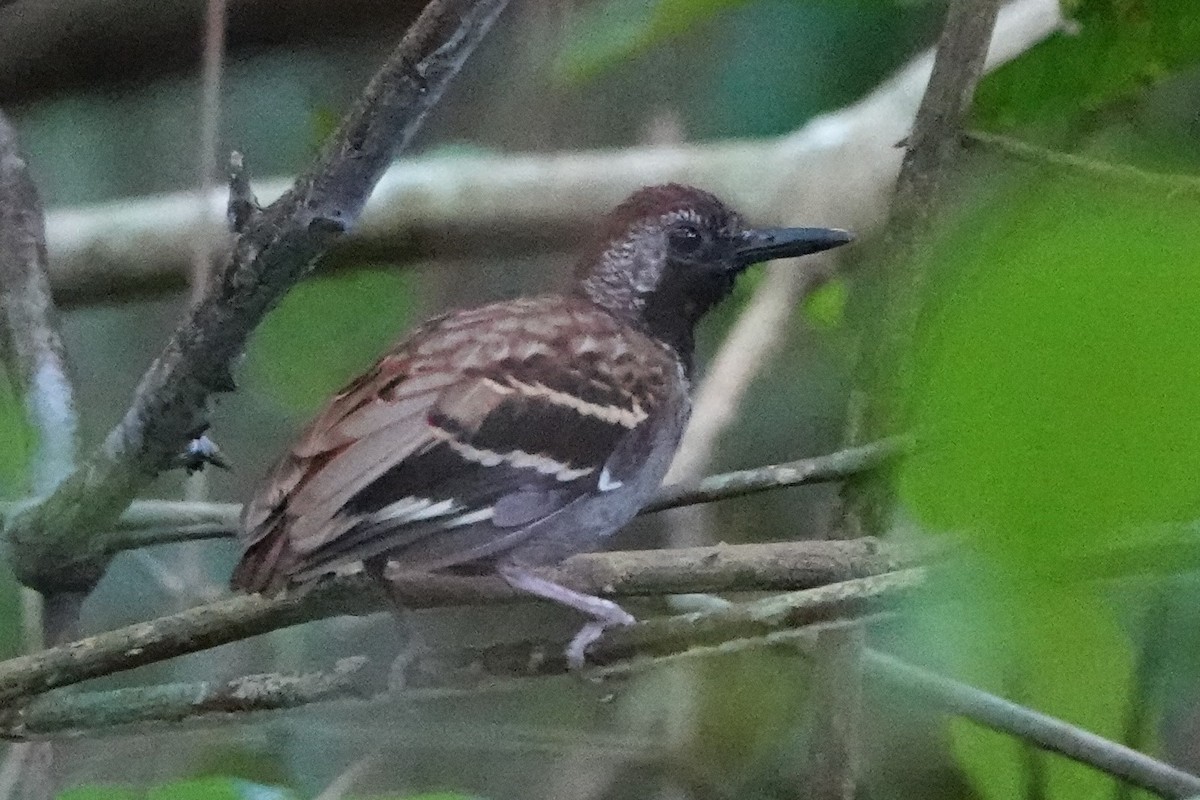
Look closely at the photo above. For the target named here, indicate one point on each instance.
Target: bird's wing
(465, 435)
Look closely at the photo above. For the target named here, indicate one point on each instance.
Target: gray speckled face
(670, 253)
(666, 255)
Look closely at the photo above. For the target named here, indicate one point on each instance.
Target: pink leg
(604, 613)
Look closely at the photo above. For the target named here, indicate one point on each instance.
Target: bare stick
(53, 545)
(710, 569)
(1044, 731)
(75, 714)
(1102, 172)
(152, 522)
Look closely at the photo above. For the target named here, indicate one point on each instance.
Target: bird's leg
(376, 569)
(604, 613)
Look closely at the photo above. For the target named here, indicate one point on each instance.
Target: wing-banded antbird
(513, 435)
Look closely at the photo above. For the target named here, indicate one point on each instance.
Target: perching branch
(54, 548)
(622, 650)
(76, 714)
(773, 567)
(839, 169)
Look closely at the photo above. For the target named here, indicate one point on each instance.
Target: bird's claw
(199, 453)
(576, 652)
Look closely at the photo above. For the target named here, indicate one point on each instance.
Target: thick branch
(36, 360)
(53, 548)
(74, 714)
(32, 346)
(711, 569)
(839, 169)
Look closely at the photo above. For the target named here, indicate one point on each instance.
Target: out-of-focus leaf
(326, 331)
(215, 788)
(1057, 377)
(825, 306)
(98, 793)
(16, 440)
(1057, 383)
(1068, 658)
(608, 32)
(1115, 48)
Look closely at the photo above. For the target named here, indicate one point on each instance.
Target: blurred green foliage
(222, 789)
(1053, 374)
(327, 330)
(825, 306)
(610, 32)
(18, 441)
(1056, 388)
(1113, 49)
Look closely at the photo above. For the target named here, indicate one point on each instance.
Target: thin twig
(76, 714)
(710, 569)
(152, 522)
(835, 745)
(1045, 731)
(1105, 172)
(53, 543)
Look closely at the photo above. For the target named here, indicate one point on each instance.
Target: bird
(509, 436)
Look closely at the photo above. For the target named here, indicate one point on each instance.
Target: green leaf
(606, 33)
(1056, 377)
(18, 443)
(1115, 49)
(825, 306)
(1067, 658)
(327, 330)
(211, 788)
(98, 793)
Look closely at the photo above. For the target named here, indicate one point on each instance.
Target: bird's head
(669, 253)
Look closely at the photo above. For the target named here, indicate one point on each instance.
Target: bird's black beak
(765, 244)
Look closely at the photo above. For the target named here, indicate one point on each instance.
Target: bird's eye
(686, 240)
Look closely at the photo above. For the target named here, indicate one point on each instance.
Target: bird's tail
(266, 564)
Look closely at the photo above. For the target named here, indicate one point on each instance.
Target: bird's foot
(604, 613)
(577, 650)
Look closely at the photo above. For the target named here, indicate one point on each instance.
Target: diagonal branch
(36, 360)
(53, 545)
(932, 150)
(32, 346)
